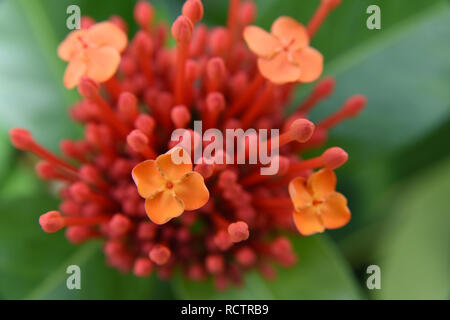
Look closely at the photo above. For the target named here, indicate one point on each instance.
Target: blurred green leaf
(27, 254)
(404, 73)
(6, 156)
(30, 74)
(33, 263)
(98, 281)
(413, 252)
(321, 273)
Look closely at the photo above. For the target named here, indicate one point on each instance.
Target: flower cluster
(120, 182)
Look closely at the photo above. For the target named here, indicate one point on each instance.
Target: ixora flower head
(120, 183)
(317, 204)
(169, 188)
(284, 54)
(93, 52)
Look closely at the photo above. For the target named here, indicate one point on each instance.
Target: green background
(397, 179)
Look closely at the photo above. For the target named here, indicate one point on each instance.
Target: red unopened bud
(144, 43)
(325, 87)
(215, 264)
(238, 231)
(193, 9)
(70, 208)
(222, 240)
(219, 41)
(143, 14)
(119, 22)
(21, 138)
(267, 271)
(159, 254)
(182, 29)
(145, 123)
(119, 225)
(301, 130)
(90, 174)
(206, 170)
(80, 191)
(137, 140)
(215, 102)
(216, 69)
(192, 70)
(354, 105)
(334, 157)
(180, 116)
(227, 178)
(221, 282)
(51, 221)
(146, 231)
(248, 12)
(283, 163)
(78, 234)
(196, 272)
(331, 4)
(114, 248)
(86, 22)
(128, 105)
(246, 256)
(88, 88)
(143, 267)
(45, 170)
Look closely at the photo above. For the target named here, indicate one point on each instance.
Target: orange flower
(284, 54)
(317, 205)
(94, 52)
(169, 188)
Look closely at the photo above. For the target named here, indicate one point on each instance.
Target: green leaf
(30, 74)
(33, 263)
(321, 273)
(404, 73)
(413, 253)
(6, 156)
(28, 254)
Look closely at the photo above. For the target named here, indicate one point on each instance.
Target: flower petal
(170, 169)
(107, 34)
(147, 178)
(102, 63)
(163, 206)
(71, 45)
(334, 211)
(74, 71)
(192, 191)
(279, 69)
(300, 195)
(310, 62)
(322, 184)
(262, 43)
(308, 221)
(290, 31)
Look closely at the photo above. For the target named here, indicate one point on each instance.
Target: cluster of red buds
(131, 105)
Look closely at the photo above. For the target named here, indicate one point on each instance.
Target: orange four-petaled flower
(317, 205)
(169, 187)
(284, 54)
(93, 52)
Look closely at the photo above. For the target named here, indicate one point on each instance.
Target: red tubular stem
(306, 165)
(258, 106)
(239, 104)
(85, 221)
(325, 7)
(276, 202)
(182, 55)
(43, 153)
(109, 117)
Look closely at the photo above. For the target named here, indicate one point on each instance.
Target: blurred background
(397, 179)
